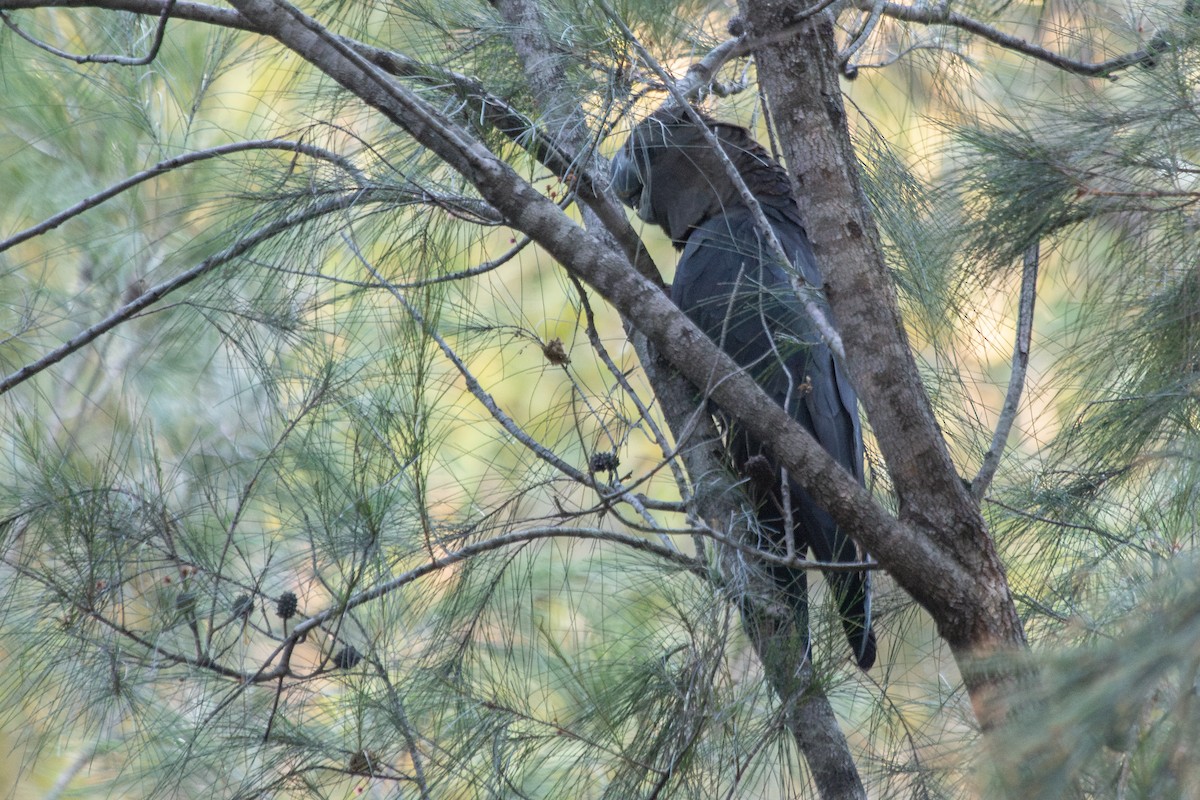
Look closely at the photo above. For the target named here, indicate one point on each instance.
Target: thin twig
(1072, 526)
(180, 10)
(266, 674)
(643, 411)
(1016, 379)
(522, 536)
(169, 164)
(124, 61)
(940, 14)
(406, 728)
(422, 283)
(243, 501)
(488, 402)
(473, 385)
(157, 292)
(792, 561)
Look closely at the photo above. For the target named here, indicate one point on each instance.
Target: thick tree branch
(807, 712)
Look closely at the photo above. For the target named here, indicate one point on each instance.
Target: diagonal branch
(169, 164)
(913, 556)
(155, 293)
(1016, 379)
(940, 14)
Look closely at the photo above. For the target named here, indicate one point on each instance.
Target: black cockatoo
(730, 283)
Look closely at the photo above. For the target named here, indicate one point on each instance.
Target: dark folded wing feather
(732, 288)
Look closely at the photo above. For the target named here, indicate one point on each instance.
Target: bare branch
(802, 83)
(161, 290)
(1016, 378)
(481, 268)
(703, 72)
(180, 9)
(522, 536)
(940, 14)
(124, 61)
(169, 164)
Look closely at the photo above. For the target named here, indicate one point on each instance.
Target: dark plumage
(729, 284)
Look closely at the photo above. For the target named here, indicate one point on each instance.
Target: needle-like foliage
(334, 461)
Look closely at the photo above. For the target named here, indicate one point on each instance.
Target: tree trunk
(801, 78)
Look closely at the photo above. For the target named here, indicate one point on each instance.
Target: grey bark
(801, 79)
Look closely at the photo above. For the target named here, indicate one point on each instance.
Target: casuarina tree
(359, 440)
